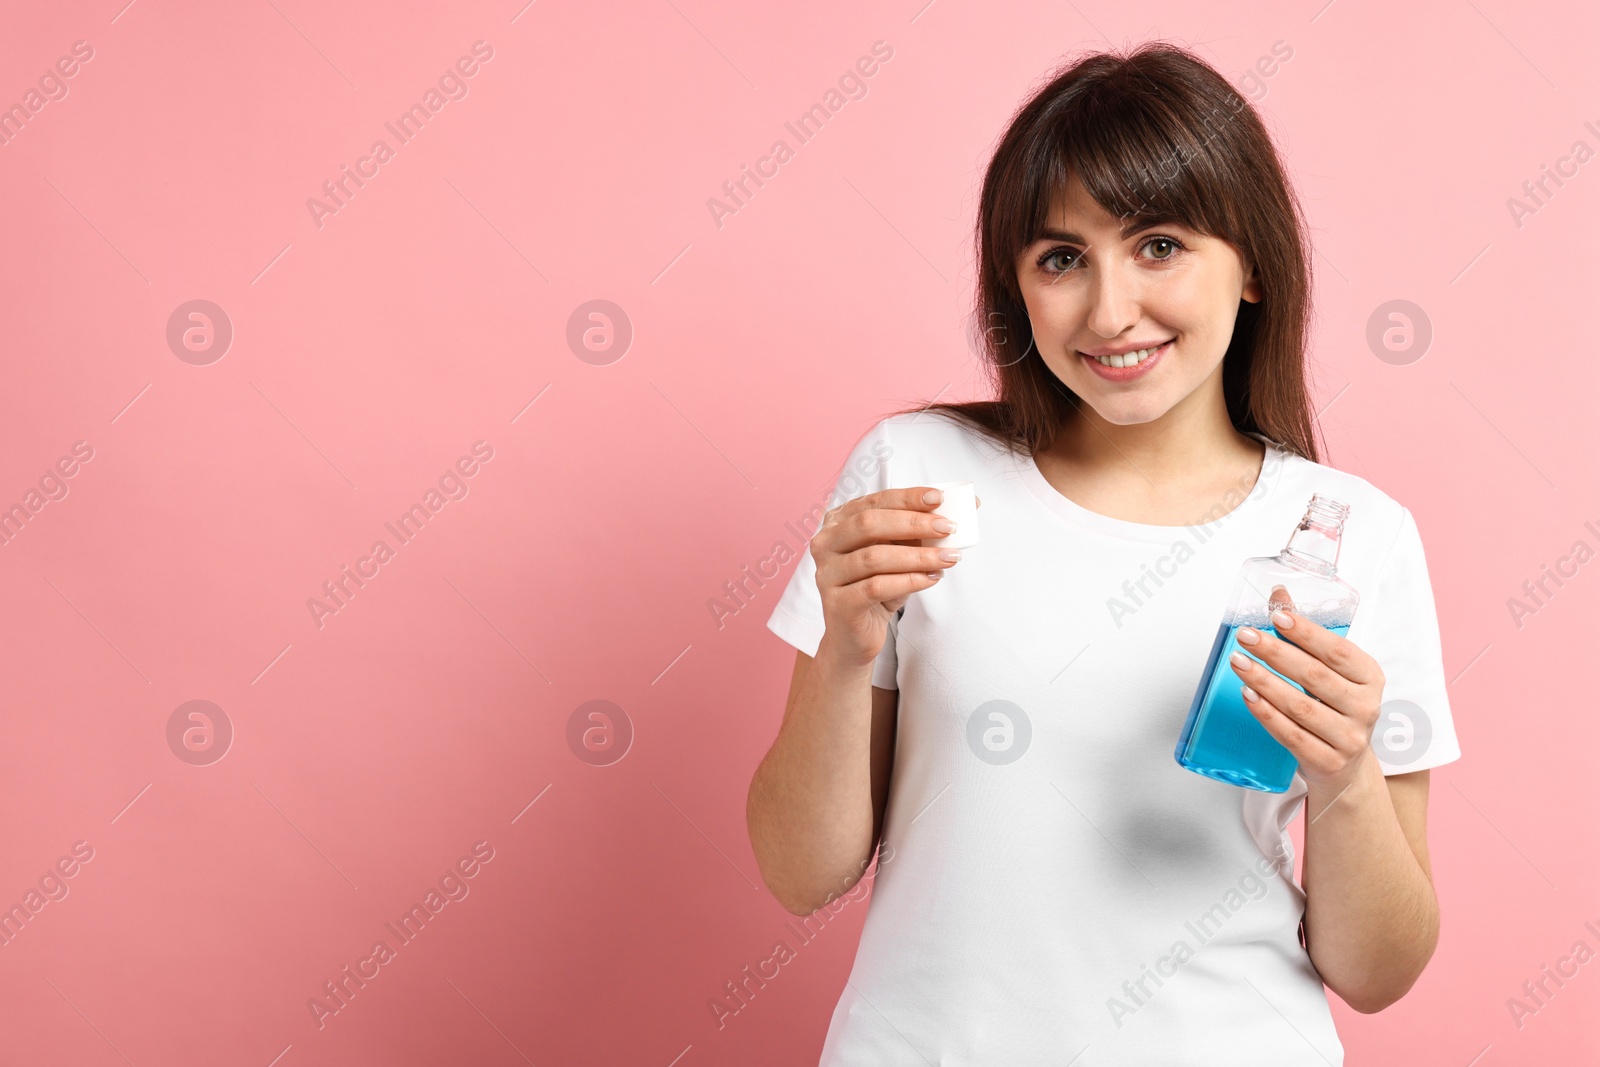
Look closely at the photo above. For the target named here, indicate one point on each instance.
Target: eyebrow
(1137, 225)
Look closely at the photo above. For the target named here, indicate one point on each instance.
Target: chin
(1131, 414)
(1134, 419)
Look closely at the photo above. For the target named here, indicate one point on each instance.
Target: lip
(1127, 374)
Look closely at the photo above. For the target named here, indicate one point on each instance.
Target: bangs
(1138, 157)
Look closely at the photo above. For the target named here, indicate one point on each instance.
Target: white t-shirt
(1091, 898)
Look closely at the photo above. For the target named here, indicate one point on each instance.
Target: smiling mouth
(1129, 359)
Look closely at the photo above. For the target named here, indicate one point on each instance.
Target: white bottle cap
(960, 506)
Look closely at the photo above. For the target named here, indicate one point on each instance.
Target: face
(1092, 290)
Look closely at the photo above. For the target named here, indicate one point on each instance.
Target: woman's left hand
(1329, 726)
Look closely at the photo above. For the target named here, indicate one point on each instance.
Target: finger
(880, 558)
(1317, 678)
(910, 498)
(1306, 746)
(888, 592)
(1340, 653)
(1315, 726)
(1343, 656)
(901, 515)
(894, 604)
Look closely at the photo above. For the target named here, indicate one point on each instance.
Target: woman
(1068, 894)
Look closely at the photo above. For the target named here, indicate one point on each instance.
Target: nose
(1114, 306)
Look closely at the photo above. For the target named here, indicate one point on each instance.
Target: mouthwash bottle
(1221, 736)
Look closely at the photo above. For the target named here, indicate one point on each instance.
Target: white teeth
(1127, 360)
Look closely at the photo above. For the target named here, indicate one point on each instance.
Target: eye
(1175, 246)
(1051, 256)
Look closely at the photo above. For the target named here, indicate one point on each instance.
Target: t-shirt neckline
(1048, 495)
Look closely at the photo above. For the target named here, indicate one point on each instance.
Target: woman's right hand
(870, 560)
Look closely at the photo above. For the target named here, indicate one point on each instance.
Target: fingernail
(949, 555)
(1240, 660)
(932, 496)
(943, 525)
(1249, 694)
(1248, 636)
(1281, 620)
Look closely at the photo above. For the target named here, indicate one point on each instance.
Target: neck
(1168, 449)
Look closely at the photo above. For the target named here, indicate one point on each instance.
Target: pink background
(431, 711)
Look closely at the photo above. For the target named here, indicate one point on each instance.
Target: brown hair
(1159, 135)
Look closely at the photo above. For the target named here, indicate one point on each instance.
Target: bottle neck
(1314, 544)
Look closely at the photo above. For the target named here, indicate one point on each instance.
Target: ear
(1252, 287)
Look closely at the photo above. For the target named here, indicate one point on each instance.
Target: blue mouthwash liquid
(1222, 738)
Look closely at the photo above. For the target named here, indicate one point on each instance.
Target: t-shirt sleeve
(797, 617)
(1397, 624)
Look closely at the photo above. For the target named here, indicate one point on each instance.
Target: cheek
(1208, 300)
(1203, 322)
(1183, 302)
(1053, 309)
